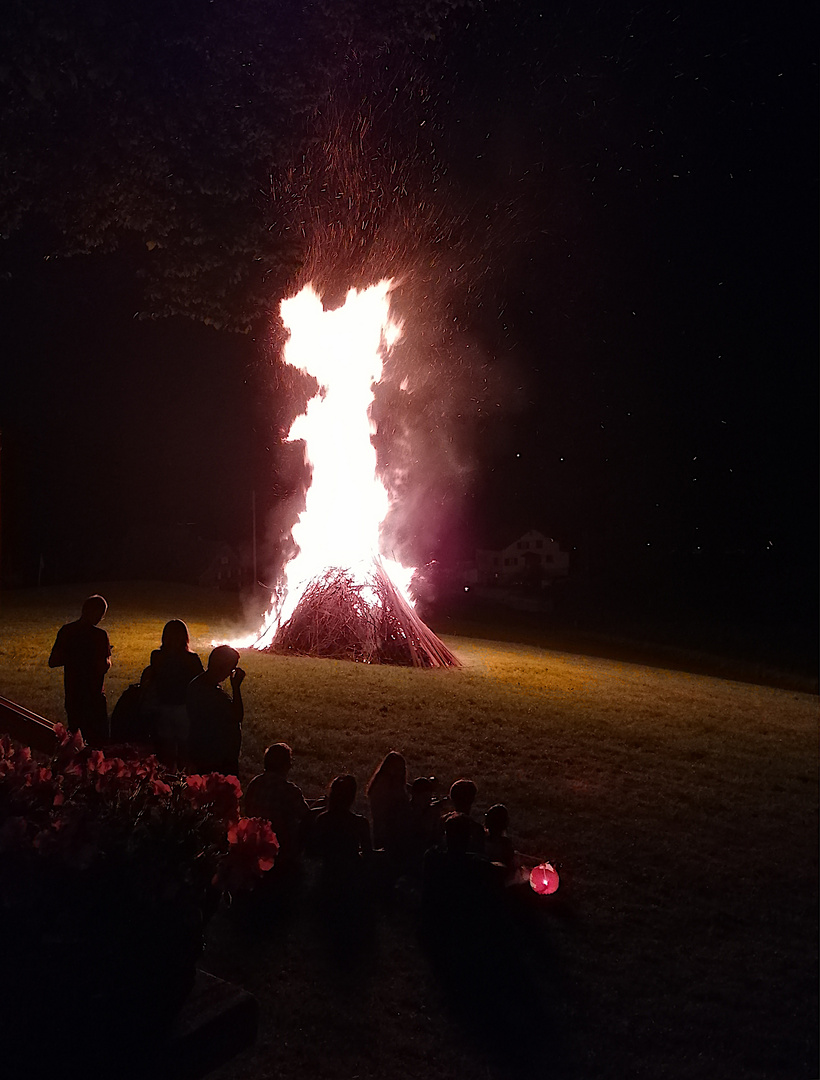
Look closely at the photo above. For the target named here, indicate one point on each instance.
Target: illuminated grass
(682, 809)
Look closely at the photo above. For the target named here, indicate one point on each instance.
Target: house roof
(503, 536)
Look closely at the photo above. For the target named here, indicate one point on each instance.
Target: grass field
(682, 809)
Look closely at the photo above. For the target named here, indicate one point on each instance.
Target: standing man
(83, 650)
(215, 736)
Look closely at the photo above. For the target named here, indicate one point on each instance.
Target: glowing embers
(342, 596)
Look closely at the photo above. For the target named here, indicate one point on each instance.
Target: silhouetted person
(460, 886)
(83, 650)
(340, 838)
(484, 955)
(500, 848)
(341, 899)
(215, 735)
(497, 845)
(426, 827)
(390, 806)
(165, 682)
(462, 796)
(272, 796)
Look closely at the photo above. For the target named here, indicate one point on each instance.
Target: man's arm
(105, 654)
(238, 707)
(365, 841)
(57, 657)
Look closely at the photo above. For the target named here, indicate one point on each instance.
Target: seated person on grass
(426, 829)
(390, 807)
(462, 796)
(272, 796)
(340, 838)
(501, 849)
(459, 885)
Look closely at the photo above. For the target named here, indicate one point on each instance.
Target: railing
(26, 726)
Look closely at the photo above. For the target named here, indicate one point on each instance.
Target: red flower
(18, 768)
(97, 763)
(217, 793)
(145, 768)
(71, 741)
(252, 853)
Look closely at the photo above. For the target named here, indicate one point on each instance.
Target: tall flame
(346, 502)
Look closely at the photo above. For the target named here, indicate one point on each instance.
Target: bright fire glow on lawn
(346, 502)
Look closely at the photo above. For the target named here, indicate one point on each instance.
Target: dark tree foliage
(169, 128)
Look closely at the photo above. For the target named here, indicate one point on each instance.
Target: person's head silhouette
(94, 609)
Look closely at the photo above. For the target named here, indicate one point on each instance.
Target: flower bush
(81, 810)
(110, 869)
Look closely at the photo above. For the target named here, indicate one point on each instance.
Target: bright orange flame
(346, 502)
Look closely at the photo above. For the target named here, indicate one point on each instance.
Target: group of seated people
(195, 725)
(414, 832)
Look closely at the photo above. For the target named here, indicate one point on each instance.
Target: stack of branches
(369, 622)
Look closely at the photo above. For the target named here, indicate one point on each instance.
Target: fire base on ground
(369, 622)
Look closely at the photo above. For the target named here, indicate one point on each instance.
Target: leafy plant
(111, 867)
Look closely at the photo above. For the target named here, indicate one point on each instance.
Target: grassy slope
(682, 808)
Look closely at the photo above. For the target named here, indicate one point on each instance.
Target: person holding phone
(215, 716)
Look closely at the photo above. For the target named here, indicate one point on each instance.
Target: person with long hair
(340, 838)
(390, 806)
(166, 679)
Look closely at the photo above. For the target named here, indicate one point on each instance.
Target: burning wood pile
(341, 595)
(371, 622)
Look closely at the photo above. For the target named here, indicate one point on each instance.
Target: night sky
(633, 366)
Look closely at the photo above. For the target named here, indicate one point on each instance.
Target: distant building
(224, 567)
(534, 559)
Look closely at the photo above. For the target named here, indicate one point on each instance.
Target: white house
(533, 558)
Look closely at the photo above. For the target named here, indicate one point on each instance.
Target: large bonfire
(342, 596)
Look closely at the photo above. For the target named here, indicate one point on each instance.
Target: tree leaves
(171, 123)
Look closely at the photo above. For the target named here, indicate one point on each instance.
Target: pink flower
(18, 769)
(97, 763)
(22, 756)
(145, 768)
(68, 740)
(252, 853)
(217, 793)
(256, 838)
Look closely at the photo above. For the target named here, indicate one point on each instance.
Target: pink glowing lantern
(544, 879)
